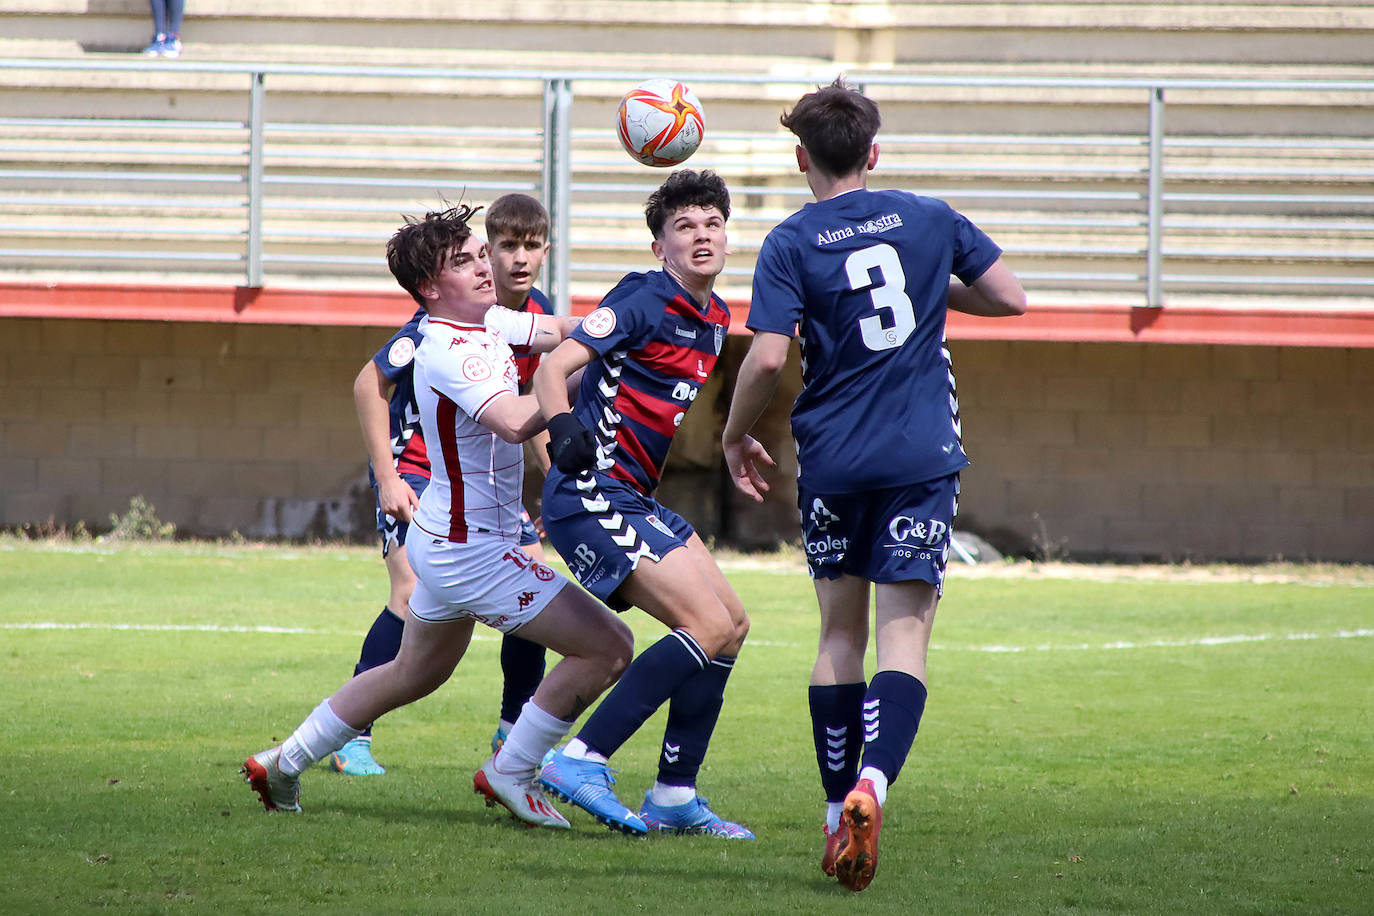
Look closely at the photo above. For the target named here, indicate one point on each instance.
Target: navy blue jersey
(525, 361)
(863, 281)
(396, 361)
(656, 348)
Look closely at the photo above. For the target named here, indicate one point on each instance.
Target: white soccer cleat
(278, 791)
(521, 795)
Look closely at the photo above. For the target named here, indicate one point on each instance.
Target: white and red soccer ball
(660, 122)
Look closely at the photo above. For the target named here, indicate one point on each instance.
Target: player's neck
(512, 300)
(824, 187)
(699, 288)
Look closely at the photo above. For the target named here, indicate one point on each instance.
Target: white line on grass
(1078, 647)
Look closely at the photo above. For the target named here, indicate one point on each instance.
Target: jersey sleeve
(468, 376)
(974, 252)
(394, 360)
(515, 328)
(625, 319)
(776, 301)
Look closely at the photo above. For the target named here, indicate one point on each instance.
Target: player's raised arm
(571, 445)
(371, 397)
(754, 388)
(513, 417)
(996, 294)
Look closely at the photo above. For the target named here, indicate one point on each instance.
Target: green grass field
(1198, 743)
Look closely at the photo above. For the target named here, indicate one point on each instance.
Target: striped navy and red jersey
(656, 347)
(525, 361)
(396, 363)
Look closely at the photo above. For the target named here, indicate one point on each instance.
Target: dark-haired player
(647, 350)
(384, 393)
(464, 546)
(863, 278)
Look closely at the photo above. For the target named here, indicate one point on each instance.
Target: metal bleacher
(1120, 176)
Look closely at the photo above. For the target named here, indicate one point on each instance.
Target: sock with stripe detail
(837, 731)
(892, 711)
(692, 715)
(646, 684)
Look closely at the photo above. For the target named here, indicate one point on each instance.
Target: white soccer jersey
(460, 370)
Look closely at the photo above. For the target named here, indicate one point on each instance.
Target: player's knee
(618, 648)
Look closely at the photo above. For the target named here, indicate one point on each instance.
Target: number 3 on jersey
(888, 293)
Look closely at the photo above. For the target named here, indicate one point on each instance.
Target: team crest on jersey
(658, 523)
(720, 338)
(599, 323)
(476, 369)
(401, 352)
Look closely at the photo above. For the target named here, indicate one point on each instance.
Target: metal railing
(1133, 210)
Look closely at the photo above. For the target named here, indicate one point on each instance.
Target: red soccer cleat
(862, 819)
(834, 842)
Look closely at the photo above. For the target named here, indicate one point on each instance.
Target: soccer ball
(660, 122)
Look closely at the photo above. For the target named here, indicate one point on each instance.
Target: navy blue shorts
(603, 527)
(897, 534)
(393, 530)
(528, 533)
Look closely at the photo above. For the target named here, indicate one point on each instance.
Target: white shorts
(489, 579)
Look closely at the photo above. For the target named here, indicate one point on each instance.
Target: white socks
(529, 739)
(319, 735)
(879, 780)
(578, 750)
(671, 795)
(833, 810)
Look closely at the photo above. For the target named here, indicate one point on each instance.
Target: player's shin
(319, 735)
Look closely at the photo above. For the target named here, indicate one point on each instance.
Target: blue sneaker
(498, 738)
(587, 784)
(695, 816)
(355, 759)
(156, 46)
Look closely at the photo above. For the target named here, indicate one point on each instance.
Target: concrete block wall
(1091, 450)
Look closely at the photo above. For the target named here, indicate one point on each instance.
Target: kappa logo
(526, 599)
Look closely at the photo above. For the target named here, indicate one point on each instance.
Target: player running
(384, 393)
(647, 350)
(863, 278)
(466, 557)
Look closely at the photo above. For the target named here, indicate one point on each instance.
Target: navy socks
(837, 730)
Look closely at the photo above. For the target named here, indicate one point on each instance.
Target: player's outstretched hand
(396, 498)
(744, 459)
(572, 447)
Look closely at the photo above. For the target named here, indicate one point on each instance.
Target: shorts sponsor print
(896, 534)
(489, 579)
(603, 527)
(393, 530)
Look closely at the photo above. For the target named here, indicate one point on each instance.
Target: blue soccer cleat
(694, 816)
(587, 784)
(355, 759)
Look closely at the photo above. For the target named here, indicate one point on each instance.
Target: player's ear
(427, 291)
(872, 156)
(803, 159)
(657, 249)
